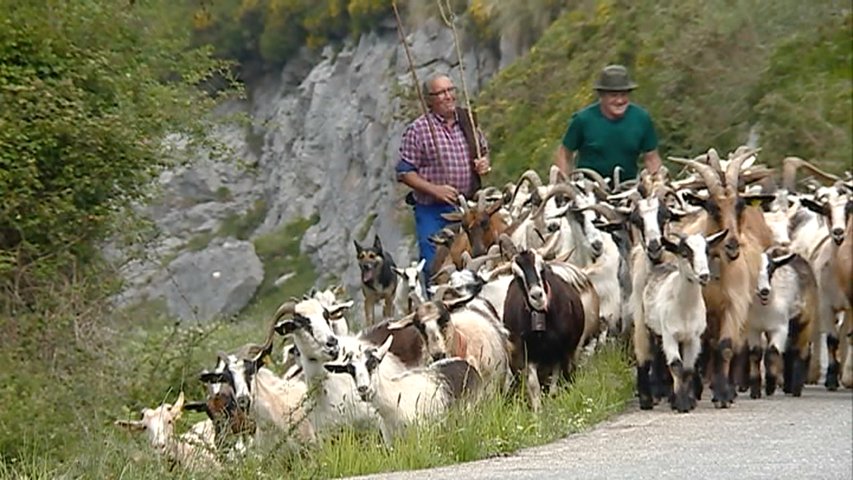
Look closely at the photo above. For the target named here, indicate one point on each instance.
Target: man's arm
(564, 159)
(652, 161)
(444, 193)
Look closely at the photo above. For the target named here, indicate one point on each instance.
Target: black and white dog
(378, 280)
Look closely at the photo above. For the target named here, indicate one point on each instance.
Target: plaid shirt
(417, 154)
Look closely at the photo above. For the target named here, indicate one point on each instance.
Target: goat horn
(733, 170)
(548, 251)
(606, 211)
(475, 264)
(556, 176)
(593, 175)
(530, 176)
(789, 172)
(447, 269)
(463, 204)
(440, 291)
(713, 159)
(499, 270)
(286, 308)
(709, 176)
(565, 188)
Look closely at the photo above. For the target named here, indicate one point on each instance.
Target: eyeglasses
(442, 92)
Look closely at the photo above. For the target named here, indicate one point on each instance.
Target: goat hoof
(770, 387)
(831, 383)
(682, 404)
(646, 402)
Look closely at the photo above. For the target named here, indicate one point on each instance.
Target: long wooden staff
(421, 100)
(450, 21)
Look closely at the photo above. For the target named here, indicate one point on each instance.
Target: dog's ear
(358, 248)
(377, 243)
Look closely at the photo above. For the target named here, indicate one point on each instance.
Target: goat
(481, 227)
(449, 329)
(832, 261)
(728, 297)
(232, 425)
(414, 283)
(674, 311)
(545, 317)
(193, 450)
(269, 398)
(408, 397)
(786, 311)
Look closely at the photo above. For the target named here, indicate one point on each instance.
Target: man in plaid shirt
(438, 180)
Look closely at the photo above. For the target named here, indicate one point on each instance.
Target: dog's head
(370, 259)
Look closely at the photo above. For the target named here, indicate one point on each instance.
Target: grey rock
(219, 280)
(323, 142)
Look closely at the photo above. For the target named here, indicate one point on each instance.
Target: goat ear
(782, 260)
(609, 227)
(358, 248)
(812, 205)
(676, 214)
(452, 216)
(212, 377)
(421, 264)
(401, 323)
(669, 245)
(377, 243)
(694, 199)
(196, 407)
(337, 310)
(285, 327)
(717, 237)
(399, 271)
(132, 425)
(758, 200)
(335, 368)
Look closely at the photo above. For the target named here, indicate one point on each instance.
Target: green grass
(494, 426)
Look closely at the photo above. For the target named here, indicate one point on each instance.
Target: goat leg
(834, 366)
(755, 354)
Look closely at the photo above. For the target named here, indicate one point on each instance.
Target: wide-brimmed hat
(614, 78)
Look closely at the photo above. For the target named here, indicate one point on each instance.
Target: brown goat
(728, 297)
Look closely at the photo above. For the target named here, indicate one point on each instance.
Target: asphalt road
(800, 438)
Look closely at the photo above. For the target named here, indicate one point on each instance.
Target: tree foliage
(709, 71)
(88, 91)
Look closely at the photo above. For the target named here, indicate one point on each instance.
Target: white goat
(413, 289)
(786, 311)
(412, 396)
(193, 450)
(674, 310)
(333, 400)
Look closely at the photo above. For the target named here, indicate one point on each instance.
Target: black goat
(545, 317)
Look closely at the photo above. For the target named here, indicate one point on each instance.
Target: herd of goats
(728, 275)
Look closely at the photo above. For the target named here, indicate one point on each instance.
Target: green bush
(86, 95)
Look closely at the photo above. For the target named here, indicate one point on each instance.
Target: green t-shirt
(601, 144)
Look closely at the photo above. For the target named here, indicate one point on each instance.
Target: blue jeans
(428, 221)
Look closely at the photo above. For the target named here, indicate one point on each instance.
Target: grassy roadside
(495, 426)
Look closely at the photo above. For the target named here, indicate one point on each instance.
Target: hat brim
(627, 88)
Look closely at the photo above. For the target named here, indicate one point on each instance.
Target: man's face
(614, 104)
(442, 96)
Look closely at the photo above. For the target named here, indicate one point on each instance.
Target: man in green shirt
(611, 132)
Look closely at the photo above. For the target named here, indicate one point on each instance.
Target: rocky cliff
(322, 144)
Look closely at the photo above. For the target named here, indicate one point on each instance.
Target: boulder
(219, 280)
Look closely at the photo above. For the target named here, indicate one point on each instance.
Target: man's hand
(446, 193)
(482, 165)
